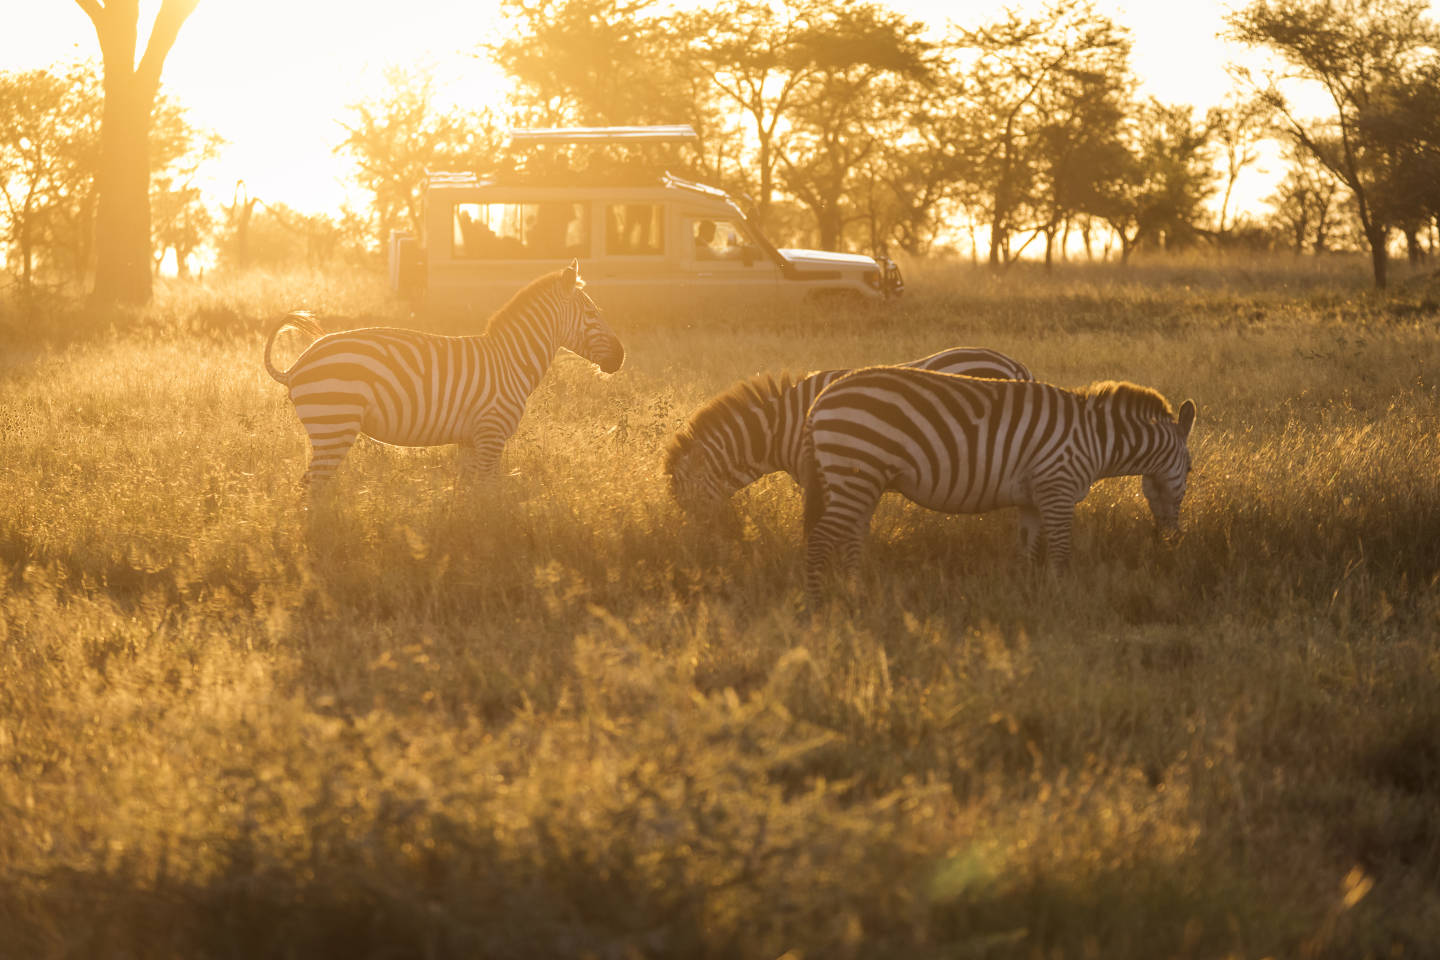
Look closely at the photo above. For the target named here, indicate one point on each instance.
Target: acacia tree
(48, 146)
(1350, 49)
(52, 143)
(395, 138)
(1402, 130)
(1236, 128)
(587, 61)
(757, 56)
(907, 185)
(1155, 184)
(1306, 202)
(122, 179)
(1016, 60)
(1083, 116)
(607, 63)
(864, 61)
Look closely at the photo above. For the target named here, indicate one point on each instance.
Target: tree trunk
(1002, 203)
(827, 218)
(122, 219)
(996, 233)
(122, 180)
(767, 183)
(1127, 246)
(1225, 206)
(1379, 237)
(1413, 250)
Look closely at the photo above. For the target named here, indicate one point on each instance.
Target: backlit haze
(274, 77)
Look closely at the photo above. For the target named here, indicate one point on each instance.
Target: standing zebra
(964, 445)
(754, 428)
(418, 389)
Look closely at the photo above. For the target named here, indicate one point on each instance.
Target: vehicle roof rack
(658, 133)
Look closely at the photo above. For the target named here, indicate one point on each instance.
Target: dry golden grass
(551, 718)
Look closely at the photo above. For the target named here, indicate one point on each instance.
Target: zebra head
(585, 332)
(1164, 484)
(726, 445)
(697, 483)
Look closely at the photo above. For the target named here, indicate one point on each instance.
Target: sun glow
(274, 77)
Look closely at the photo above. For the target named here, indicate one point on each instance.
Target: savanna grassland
(553, 718)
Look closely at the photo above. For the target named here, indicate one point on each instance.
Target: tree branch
(92, 10)
(172, 16)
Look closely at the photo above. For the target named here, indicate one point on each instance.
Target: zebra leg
(1058, 512)
(480, 461)
(1032, 534)
(820, 544)
(836, 531)
(329, 445)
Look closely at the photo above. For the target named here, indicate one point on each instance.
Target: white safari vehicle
(651, 235)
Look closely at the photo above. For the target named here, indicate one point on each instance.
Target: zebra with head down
(964, 445)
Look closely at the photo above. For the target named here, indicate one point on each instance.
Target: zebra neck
(528, 344)
(780, 423)
(1124, 447)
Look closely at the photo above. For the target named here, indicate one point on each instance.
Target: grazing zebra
(754, 428)
(418, 389)
(964, 445)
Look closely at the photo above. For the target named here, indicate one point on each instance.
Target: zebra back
(967, 361)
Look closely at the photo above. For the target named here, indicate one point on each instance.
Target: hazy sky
(272, 76)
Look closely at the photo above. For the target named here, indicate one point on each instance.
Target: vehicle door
(632, 249)
(724, 259)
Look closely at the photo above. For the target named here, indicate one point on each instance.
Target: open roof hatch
(659, 133)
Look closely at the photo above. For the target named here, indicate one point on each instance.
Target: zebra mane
(514, 306)
(1129, 398)
(752, 393)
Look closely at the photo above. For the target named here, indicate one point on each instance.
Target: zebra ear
(572, 272)
(1186, 418)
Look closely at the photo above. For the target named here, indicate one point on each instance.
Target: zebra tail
(301, 320)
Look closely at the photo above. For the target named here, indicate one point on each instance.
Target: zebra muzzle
(612, 358)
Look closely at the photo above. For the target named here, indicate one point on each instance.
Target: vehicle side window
(520, 231)
(635, 229)
(721, 240)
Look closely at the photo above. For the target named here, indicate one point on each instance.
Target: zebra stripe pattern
(754, 428)
(964, 445)
(410, 388)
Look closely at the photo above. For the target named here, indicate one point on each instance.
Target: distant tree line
(49, 192)
(49, 196)
(848, 124)
(843, 123)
